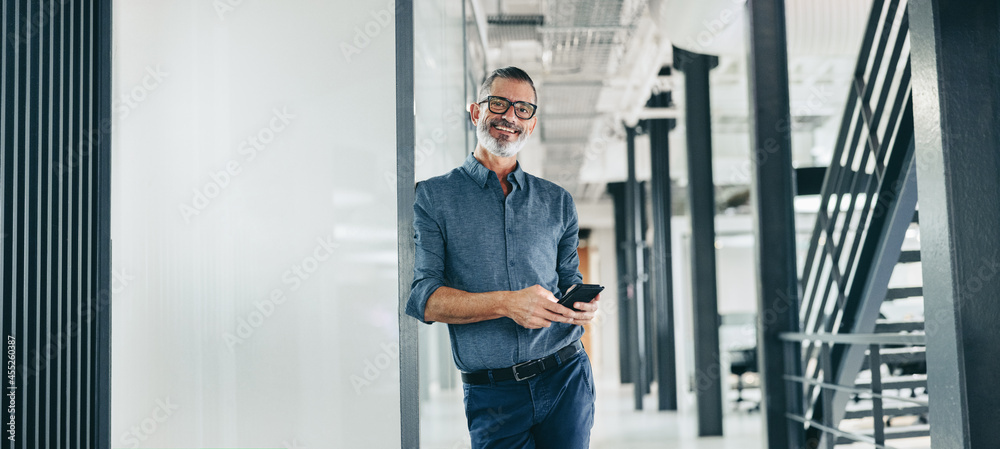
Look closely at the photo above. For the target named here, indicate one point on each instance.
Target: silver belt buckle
(517, 376)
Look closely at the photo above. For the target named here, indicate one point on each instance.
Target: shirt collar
(481, 174)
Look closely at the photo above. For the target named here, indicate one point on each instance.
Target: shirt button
(512, 263)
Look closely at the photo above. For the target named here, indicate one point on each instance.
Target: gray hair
(510, 73)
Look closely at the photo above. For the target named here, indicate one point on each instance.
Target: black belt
(525, 370)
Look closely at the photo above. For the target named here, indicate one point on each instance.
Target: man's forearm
(454, 306)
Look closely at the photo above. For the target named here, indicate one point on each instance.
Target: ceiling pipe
(647, 72)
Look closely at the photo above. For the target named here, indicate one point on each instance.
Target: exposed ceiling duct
(582, 54)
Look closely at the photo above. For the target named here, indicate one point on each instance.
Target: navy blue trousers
(552, 410)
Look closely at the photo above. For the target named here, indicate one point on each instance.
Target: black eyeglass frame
(534, 107)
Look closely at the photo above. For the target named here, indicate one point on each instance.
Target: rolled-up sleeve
(428, 266)
(567, 258)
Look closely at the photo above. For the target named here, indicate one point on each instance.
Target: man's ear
(474, 112)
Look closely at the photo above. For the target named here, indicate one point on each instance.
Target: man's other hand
(535, 307)
(587, 311)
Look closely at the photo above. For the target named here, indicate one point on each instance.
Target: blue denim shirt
(469, 237)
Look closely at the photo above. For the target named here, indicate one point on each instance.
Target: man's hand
(535, 307)
(587, 311)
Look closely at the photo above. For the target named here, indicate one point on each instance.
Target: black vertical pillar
(55, 198)
(649, 307)
(772, 191)
(409, 347)
(102, 210)
(662, 268)
(617, 192)
(636, 264)
(697, 110)
(956, 99)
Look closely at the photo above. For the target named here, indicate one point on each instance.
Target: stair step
(892, 327)
(899, 355)
(898, 410)
(909, 256)
(897, 382)
(895, 433)
(905, 292)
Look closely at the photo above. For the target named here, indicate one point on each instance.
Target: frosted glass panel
(254, 225)
(439, 92)
(442, 124)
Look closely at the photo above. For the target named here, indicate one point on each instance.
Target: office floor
(617, 424)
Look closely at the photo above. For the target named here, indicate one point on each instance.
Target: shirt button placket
(508, 214)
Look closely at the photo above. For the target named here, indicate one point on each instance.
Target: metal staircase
(863, 376)
(902, 376)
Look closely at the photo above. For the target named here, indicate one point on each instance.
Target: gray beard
(496, 147)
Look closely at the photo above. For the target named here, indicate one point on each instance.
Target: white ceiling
(595, 63)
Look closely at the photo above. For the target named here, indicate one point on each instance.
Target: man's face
(503, 135)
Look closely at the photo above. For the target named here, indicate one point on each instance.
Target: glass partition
(444, 136)
(254, 225)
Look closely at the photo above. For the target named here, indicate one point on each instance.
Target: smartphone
(580, 293)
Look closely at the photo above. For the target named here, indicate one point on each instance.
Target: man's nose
(509, 115)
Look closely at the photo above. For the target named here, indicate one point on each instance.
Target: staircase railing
(867, 201)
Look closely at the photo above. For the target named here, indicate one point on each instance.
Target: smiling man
(495, 247)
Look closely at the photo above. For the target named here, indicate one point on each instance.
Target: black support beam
(662, 266)
(772, 190)
(708, 375)
(617, 192)
(636, 268)
(956, 96)
(649, 307)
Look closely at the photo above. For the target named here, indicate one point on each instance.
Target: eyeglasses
(499, 105)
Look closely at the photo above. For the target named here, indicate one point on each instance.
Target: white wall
(606, 357)
(253, 225)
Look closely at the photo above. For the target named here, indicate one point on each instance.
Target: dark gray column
(55, 216)
(956, 58)
(617, 192)
(772, 191)
(409, 348)
(649, 307)
(697, 112)
(102, 274)
(636, 268)
(662, 269)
